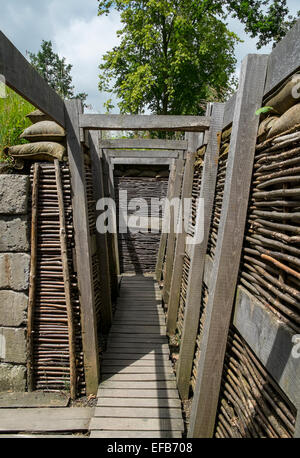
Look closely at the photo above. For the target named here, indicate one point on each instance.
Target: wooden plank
(179, 249)
(82, 247)
(141, 160)
(43, 436)
(126, 344)
(156, 385)
(137, 349)
(138, 329)
(137, 370)
(271, 341)
(175, 193)
(20, 76)
(133, 424)
(124, 153)
(144, 122)
(164, 235)
(125, 356)
(33, 399)
(229, 245)
(59, 419)
(229, 111)
(140, 402)
(137, 412)
(144, 143)
(133, 362)
(102, 243)
(159, 376)
(133, 393)
(284, 59)
(197, 255)
(135, 434)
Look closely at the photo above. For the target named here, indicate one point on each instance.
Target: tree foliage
(55, 71)
(175, 54)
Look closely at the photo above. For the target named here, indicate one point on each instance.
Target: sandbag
(284, 98)
(226, 134)
(287, 121)
(265, 126)
(37, 116)
(44, 130)
(148, 173)
(131, 173)
(44, 151)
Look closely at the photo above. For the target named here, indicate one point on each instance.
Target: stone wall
(14, 280)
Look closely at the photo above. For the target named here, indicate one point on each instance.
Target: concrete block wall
(14, 280)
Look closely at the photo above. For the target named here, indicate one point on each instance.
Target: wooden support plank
(131, 402)
(102, 243)
(271, 341)
(156, 385)
(137, 412)
(25, 80)
(179, 249)
(143, 143)
(132, 377)
(137, 394)
(32, 277)
(162, 363)
(46, 419)
(229, 111)
(134, 424)
(198, 253)
(284, 59)
(137, 370)
(164, 235)
(229, 245)
(170, 249)
(141, 161)
(33, 399)
(142, 154)
(144, 122)
(83, 247)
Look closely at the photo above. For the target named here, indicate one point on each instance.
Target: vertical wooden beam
(180, 245)
(229, 245)
(297, 425)
(32, 277)
(197, 253)
(83, 247)
(103, 259)
(164, 235)
(175, 193)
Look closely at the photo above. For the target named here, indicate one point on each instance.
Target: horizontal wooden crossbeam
(122, 153)
(144, 122)
(143, 143)
(24, 79)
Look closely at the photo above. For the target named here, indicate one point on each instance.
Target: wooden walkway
(138, 396)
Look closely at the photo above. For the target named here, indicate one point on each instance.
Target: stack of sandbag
(144, 171)
(46, 139)
(285, 116)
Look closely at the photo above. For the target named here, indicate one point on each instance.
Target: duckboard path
(138, 395)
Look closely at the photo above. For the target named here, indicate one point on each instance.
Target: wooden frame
(140, 160)
(102, 248)
(144, 122)
(141, 143)
(83, 247)
(229, 245)
(24, 79)
(197, 255)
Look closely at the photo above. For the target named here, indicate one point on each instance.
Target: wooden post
(180, 244)
(229, 245)
(164, 235)
(32, 277)
(103, 259)
(175, 193)
(297, 425)
(83, 247)
(197, 253)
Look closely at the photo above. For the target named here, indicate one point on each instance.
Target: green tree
(55, 71)
(176, 54)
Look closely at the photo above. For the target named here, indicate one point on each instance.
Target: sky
(82, 37)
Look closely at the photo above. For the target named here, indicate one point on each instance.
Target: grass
(13, 121)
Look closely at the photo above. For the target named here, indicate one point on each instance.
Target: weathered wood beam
(143, 143)
(24, 79)
(229, 245)
(142, 154)
(141, 161)
(229, 111)
(197, 254)
(82, 247)
(102, 248)
(144, 122)
(284, 59)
